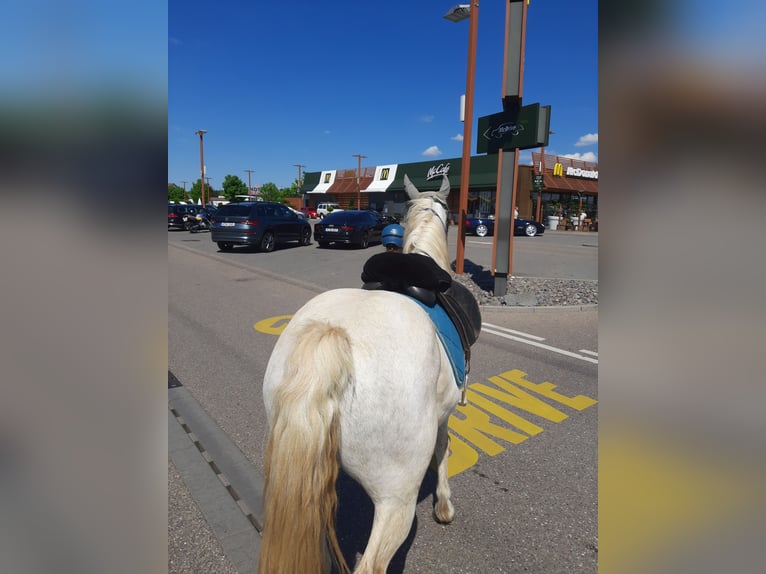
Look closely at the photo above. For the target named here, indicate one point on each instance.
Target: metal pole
(508, 161)
(540, 193)
(465, 166)
(202, 163)
(358, 186)
(249, 186)
(300, 183)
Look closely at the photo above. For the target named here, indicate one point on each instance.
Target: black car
(180, 215)
(350, 227)
(261, 223)
(483, 226)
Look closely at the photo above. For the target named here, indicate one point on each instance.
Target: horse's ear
(444, 189)
(412, 191)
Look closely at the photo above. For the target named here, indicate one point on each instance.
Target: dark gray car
(262, 224)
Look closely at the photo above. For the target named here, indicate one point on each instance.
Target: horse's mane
(424, 231)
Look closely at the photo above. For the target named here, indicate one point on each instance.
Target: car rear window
(337, 217)
(232, 210)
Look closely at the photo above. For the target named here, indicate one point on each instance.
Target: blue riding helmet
(393, 235)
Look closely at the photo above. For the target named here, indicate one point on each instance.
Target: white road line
(519, 333)
(542, 346)
(587, 352)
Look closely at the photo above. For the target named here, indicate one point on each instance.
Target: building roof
(566, 182)
(427, 175)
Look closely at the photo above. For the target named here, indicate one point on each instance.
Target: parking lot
(524, 448)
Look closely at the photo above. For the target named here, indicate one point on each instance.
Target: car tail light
(172, 215)
(468, 223)
(253, 222)
(347, 228)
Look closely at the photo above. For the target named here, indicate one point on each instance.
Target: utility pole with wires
(300, 174)
(201, 133)
(249, 187)
(358, 186)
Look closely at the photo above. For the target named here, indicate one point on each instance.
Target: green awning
(310, 181)
(427, 175)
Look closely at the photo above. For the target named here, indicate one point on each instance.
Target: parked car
(262, 224)
(180, 215)
(310, 212)
(325, 208)
(351, 227)
(483, 226)
(298, 213)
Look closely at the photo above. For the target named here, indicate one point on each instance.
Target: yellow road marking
(273, 325)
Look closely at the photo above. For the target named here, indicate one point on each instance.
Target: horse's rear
(357, 377)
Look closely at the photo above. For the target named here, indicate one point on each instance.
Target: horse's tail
(302, 455)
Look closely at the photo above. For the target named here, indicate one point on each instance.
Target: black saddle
(420, 277)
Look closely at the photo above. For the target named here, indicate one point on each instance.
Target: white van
(325, 208)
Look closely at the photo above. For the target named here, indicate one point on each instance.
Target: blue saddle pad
(449, 337)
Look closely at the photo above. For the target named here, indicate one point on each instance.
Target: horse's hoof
(444, 513)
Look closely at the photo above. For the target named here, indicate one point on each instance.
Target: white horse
(358, 378)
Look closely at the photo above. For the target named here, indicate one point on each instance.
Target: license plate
(228, 224)
(331, 229)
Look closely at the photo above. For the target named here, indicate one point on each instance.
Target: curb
(558, 309)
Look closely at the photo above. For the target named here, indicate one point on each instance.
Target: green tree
(195, 193)
(233, 186)
(294, 190)
(270, 192)
(175, 193)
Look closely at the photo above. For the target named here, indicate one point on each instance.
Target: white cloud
(587, 156)
(587, 139)
(426, 119)
(457, 138)
(432, 151)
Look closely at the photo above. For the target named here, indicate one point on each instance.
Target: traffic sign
(526, 128)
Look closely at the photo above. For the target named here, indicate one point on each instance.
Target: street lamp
(201, 133)
(457, 14)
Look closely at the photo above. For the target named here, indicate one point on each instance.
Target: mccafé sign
(558, 169)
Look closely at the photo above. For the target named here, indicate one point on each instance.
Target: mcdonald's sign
(558, 169)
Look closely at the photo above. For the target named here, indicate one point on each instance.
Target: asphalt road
(524, 458)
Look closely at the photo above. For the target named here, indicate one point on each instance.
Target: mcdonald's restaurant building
(567, 186)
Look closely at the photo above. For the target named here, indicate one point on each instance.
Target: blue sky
(282, 83)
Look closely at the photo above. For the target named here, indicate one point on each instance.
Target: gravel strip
(532, 291)
(192, 546)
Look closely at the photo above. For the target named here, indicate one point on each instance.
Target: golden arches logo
(558, 169)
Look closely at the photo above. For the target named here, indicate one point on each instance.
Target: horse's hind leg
(444, 512)
(390, 527)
